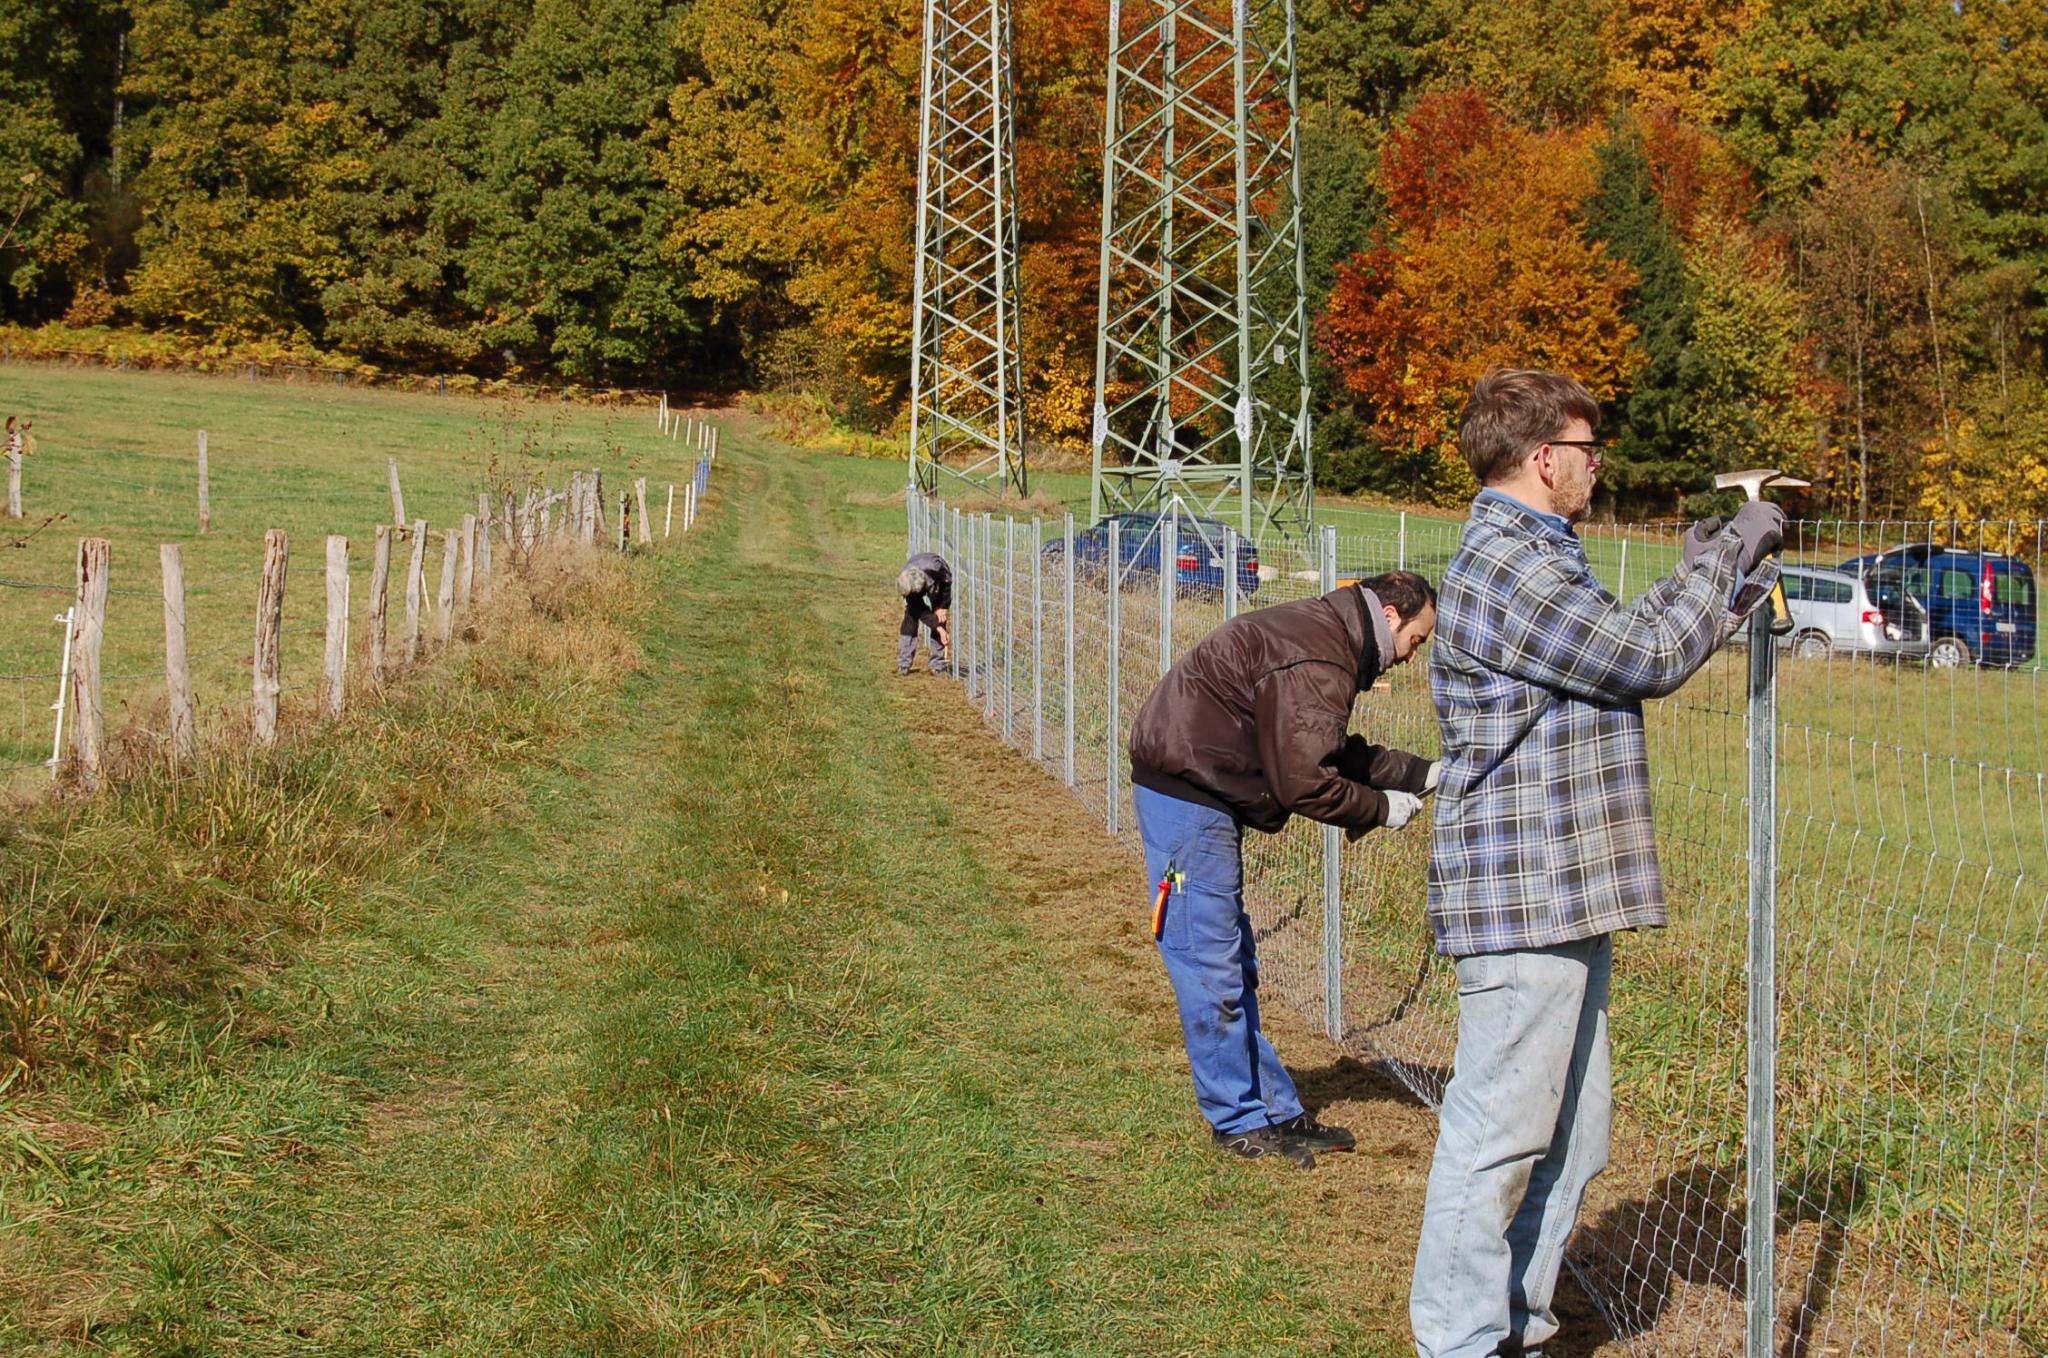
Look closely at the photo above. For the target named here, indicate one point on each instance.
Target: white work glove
(1401, 808)
(1433, 777)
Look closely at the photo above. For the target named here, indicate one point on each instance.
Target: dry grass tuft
(178, 880)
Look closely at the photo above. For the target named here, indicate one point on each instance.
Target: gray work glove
(1433, 777)
(1760, 525)
(1401, 808)
(1701, 535)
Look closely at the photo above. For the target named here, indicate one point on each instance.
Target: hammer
(1753, 483)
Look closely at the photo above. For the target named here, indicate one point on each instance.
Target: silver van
(1837, 611)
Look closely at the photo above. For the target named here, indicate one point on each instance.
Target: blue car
(1969, 606)
(1199, 555)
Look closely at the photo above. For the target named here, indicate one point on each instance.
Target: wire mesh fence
(1903, 731)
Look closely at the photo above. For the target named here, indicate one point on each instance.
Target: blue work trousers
(1207, 947)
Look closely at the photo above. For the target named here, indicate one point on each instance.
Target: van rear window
(2010, 587)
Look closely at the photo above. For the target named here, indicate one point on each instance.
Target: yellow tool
(1753, 483)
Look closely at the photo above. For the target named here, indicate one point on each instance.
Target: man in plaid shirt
(1543, 844)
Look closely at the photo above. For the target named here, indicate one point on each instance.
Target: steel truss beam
(1201, 360)
(966, 396)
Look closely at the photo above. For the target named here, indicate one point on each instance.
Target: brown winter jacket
(1253, 720)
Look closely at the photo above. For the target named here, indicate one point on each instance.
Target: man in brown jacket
(1248, 729)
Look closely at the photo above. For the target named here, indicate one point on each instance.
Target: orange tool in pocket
(1166, 885)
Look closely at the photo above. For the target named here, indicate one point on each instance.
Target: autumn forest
(1810, 233)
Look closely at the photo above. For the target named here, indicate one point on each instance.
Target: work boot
(1316, 1135)
(1259, 1142)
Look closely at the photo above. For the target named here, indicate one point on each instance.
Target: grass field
(764, 1004)
(724, 1014)
(117, 459)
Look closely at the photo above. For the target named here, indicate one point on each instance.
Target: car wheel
(1948, 652)
(1812, 645)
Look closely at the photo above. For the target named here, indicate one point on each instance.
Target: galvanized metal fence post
(1116, 638)
(1067, 685)
(988, 614)
(1037, 639)
(1229, 574)
(1169, 569)
(963, 643)
(1009, 628)
(1760, 1248)
(1333, 864)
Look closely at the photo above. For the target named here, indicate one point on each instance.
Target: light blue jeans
(1522, 1131)
(1206, 945)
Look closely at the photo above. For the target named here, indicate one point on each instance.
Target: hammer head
(1754, 480)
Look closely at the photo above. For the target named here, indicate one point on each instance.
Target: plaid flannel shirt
(1543, 831)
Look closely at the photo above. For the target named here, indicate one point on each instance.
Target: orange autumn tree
(1483, 262)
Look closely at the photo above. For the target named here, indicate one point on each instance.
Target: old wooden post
(642, 534)
(451, 552)
(415, 590)
(337, 623)
(264, 683)
(89, 612)
(380, 586)
(465, 576)
(205, 491)
(483, 540)
(14, 447)
(177, 674)
(397, 497)
(622, 521)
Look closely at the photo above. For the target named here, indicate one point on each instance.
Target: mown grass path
(754, 1031)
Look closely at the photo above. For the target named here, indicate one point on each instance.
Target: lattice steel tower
(1201, 366)
(966, 399)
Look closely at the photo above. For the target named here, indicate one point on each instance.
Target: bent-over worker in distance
(926, 584)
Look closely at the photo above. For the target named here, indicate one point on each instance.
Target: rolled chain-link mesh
(1910, 915)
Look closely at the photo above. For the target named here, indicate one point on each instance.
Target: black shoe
(1260, 1142)
(1315, 1135)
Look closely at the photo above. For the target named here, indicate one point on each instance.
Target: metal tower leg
(966, 397)
(1201, 361)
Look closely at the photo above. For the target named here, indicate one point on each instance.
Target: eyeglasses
(1595, 450)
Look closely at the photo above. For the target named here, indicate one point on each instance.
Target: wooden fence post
(483, 540)
(642, 533)
(451, 551)
(397, 497)
(337, 623)
(88, 729)
(205, 490)
(14, 442)
(263, 684)
(380, 585)
(596, 485)
(465, 577)
(415, 590)
(177, 674)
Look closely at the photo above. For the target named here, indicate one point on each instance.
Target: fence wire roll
(1908, 909)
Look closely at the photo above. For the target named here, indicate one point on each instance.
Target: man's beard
(1573, 500)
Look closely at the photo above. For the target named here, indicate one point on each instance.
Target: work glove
(1760, 526)
(1433, 777)
(1401, 808)
(1701, 535)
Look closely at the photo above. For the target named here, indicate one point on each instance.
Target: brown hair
(1406, 591)
(1514, 409)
